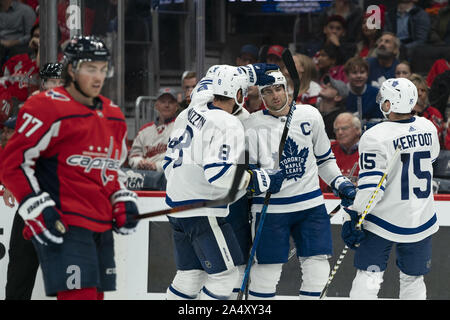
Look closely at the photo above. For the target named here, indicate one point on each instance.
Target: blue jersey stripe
(367, 186)
(325, 160)
(310, 294)
(261, 295)
(168, 161)
(326, 154)
(370, 173)
(225, 168)
(401, 230)
(173, 204)
(290, 200)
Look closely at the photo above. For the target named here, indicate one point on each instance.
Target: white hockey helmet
(400, 92)
(280, 79)
(227, 81)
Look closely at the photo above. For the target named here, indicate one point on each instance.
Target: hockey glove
(350, 234)
(257, 73)
(43, 222)
(344, 189)
(124, 211)
(262, 180)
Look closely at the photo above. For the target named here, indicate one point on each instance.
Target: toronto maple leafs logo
(293, 161)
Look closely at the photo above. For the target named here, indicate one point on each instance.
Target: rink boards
(145, 263)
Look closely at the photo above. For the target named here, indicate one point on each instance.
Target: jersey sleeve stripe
(221, 173)
(167, 162)
(367, 186)
(323, 161)
(33, 152)
(324, 155)
(213, 165)
(370, 173)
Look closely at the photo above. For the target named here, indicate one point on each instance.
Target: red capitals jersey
(72, 152)
(345, 162)
(20, 73)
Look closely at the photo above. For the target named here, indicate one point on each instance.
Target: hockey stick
(230, 197)
(361, 220)
(335, 210)
(331, 214)
(290, 66)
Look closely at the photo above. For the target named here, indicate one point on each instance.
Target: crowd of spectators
(340, 70)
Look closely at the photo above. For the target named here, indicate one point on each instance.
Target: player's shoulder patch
(56, 95)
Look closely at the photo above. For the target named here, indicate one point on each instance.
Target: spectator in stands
(439, 94)
(150, 144)
(274, 56)
(330, 62)
(335, 31)
(383, 66)
(361, 99)
(438, 67)
(349, 11)
(403, 70)
(368, 36)
(410, 23)
(188, 83)
(247, 55)
(423, 107)
(347, 128)
(17, 19)
(19, 74)
(8, 130)
(331, 102)
(440, 25)
(309, 88)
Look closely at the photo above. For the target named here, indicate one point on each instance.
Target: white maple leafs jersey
(307, 154)
(204, 148)
(403, 210)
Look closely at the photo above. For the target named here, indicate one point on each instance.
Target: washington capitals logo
(293, 161)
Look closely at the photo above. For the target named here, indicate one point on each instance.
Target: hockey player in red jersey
(63, 167)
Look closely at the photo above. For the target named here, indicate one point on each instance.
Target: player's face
(90, 76)
(274, 96)
(167, 106)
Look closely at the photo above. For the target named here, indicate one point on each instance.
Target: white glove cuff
(337, 182)
(33, 206)
(122, 196)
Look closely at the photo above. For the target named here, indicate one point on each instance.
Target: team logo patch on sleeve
(293, 161)
(56, 95)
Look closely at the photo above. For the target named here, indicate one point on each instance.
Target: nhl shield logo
(293, 161)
